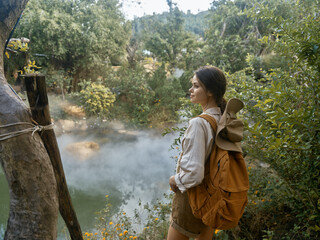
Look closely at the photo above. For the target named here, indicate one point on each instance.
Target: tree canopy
(76, 36)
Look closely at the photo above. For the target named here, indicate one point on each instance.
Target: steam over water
(128, 168)
(144, 162)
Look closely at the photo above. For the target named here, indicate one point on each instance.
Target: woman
(208, 89)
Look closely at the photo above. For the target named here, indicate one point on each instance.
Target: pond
(129, 167)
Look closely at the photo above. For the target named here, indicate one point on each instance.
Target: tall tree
(166, 40)
(79, 37)
(232, 35)
(24, 159)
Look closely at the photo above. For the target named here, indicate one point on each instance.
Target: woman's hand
(173, 184)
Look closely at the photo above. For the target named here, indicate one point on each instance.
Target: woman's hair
(215, 82)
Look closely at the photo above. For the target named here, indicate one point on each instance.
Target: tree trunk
(25, 161)
(224, 26)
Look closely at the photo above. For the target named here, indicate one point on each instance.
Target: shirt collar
(213, 111)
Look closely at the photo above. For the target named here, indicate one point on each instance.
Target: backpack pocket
(198, 197)
(227, 212)
(202, 195)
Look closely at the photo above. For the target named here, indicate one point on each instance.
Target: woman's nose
(190, 89)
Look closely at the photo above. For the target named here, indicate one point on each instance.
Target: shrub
(134, 96)
(167, 91)
(145, 98)
(96, 99)
(282, 116)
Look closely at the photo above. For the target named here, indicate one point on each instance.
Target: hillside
(194, 23)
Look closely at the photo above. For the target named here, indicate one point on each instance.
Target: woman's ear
(209, 94)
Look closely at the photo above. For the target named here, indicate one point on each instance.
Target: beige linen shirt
(196, 144)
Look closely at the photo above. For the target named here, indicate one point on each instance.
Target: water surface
(129, 167)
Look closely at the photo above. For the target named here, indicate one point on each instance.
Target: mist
(130, 167)
(137, 168)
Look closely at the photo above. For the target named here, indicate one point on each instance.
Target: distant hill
(195, 23)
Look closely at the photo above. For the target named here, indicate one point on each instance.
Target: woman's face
(198, 94)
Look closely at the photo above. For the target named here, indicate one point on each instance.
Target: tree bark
(224, 26)
(25, 161)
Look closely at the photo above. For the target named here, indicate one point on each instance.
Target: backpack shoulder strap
(211, 120)
(211, 163)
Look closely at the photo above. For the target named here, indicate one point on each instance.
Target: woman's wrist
(173, 184)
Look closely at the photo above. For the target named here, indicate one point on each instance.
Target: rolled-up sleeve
(191, 163)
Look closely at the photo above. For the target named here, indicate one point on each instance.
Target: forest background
(138, 72)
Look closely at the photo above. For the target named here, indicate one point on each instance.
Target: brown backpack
(219, 201)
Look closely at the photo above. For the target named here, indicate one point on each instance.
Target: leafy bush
(145, 98)
(167, 91)
(284, 119)
(96, 99)
(134, 96)
(282, 116)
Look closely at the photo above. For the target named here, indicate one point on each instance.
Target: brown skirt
(182, 218)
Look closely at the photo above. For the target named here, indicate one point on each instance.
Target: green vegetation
(78, 37)
(96, 99)
(193, 23)
(149, 221)
(270, 51)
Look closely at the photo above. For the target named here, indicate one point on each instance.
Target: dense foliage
(232, 35)
(286, 115)
(270, 51)
(142, 97)
(96, 99)
(167, 40)
(79, 37)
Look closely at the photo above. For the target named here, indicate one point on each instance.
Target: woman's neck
(210, 104)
